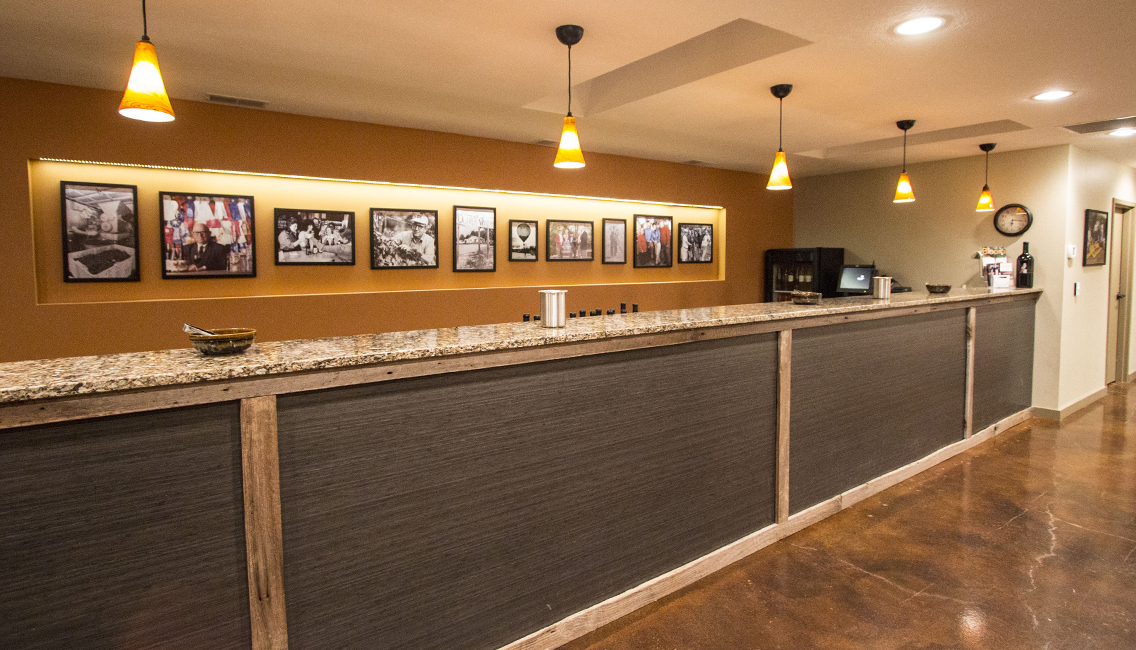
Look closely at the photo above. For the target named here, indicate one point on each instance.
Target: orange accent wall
(43, 319)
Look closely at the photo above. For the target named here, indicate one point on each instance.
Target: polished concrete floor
(1026, 541)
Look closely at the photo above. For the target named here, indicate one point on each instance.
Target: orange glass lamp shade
(985, 200)
(903, 193)
(145, 97)
(569, 156)
(779, 178)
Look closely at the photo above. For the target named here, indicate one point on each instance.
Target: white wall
(934, 240)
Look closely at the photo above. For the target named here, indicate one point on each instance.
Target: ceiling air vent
(1106, 125)
(547, 143)
(237, 101)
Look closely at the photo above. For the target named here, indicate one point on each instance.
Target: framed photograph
(475, 239)
(652, 241)
(1096, 238)
(522, 241)
(695, 243)
(314, 237)
(100, 232)
(207, 236)
(570, 241)
(615, 241)
(404, 239)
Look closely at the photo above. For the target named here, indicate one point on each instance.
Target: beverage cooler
(801, 269)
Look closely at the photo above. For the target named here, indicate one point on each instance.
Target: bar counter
(499, 486)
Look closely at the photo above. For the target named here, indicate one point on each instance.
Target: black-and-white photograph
(522, 241)
(614, 241)
(100, 232)
(475, 239)
(652, 241)
(404, 239)
(314, 237)
(207, 235)
(570, 241)
(696, 243)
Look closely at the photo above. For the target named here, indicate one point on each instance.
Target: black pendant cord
(905, 151)
(569, 81)
(780, 121)
(987, 168)
(145, 37)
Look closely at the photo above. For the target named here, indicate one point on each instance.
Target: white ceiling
(473, 67)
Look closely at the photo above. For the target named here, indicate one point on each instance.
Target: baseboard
(596, 616)
(1132, 377)
(1051, 414)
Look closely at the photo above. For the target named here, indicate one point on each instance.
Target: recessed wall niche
(271, 192)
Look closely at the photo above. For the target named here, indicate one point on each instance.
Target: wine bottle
(1025, 268)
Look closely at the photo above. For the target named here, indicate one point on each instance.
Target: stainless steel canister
(552, 311)
(881, 287)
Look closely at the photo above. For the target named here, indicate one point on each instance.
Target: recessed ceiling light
(1123, 133)
(1052, 95)
(920, 25)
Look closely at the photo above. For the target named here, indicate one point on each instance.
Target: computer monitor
(856, 279)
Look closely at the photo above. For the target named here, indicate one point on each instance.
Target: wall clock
(1013, 219)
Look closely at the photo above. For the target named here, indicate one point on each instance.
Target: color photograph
(404, 239)
(696, 243)
(614, 241)
(522, 241)
(207, 235)
(1096, 238)
(652, 241)
(314, 237)
(475, 239)
(100, 232)
(570, 241)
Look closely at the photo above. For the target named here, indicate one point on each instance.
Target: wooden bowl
(938, 288)
(224, 341)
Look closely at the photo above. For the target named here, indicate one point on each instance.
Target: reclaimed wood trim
(968, 409)
(784, 386)
(264, 539)
(63, 409)
(596, 616)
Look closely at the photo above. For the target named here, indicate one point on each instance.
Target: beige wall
(934, 240)
(43, 320)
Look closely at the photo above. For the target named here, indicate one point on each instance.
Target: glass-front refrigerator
(801, 269)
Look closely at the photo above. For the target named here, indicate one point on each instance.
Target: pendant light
(569, 155)
(145, 97)
(986, 200)
(779, 177)
(903, 193)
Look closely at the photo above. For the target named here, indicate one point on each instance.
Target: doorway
(1121, 244)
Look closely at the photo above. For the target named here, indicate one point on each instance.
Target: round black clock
(1013, 219)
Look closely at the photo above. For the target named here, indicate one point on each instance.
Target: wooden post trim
(264, 539)
(968, 410)
(784, 383)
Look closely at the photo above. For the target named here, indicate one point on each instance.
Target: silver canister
(552, 311)
(881, 287)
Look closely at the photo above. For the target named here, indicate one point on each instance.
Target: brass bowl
(224, 341)
(938, 288)
(806, 298)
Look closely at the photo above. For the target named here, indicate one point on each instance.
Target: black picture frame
(614, 248)
(1095, 251)
(392, 249)
(644, 258)
(554, 249)
(519, 232)
(94, 242)
(321, 237)
(702, 251)
(176, 209)
(478, 223)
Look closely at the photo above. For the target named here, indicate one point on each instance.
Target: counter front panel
(124, 532)
(470, 509)
(1003, 361)
(871, 397)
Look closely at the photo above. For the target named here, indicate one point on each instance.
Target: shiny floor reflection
(1026, 541)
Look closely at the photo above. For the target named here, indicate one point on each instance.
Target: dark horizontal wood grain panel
(124, 532)
(1003, 361)
(468, 510)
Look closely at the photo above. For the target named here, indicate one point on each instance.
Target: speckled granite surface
(42, 379)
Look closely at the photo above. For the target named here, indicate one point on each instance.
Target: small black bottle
(1025, 268)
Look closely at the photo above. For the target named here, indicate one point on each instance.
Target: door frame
(1123, 210)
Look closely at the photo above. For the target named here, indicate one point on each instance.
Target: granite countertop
(42, 379)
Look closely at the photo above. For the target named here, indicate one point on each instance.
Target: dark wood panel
(469, 510)
(1003, 361)
(124, 532)
(871, 397)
